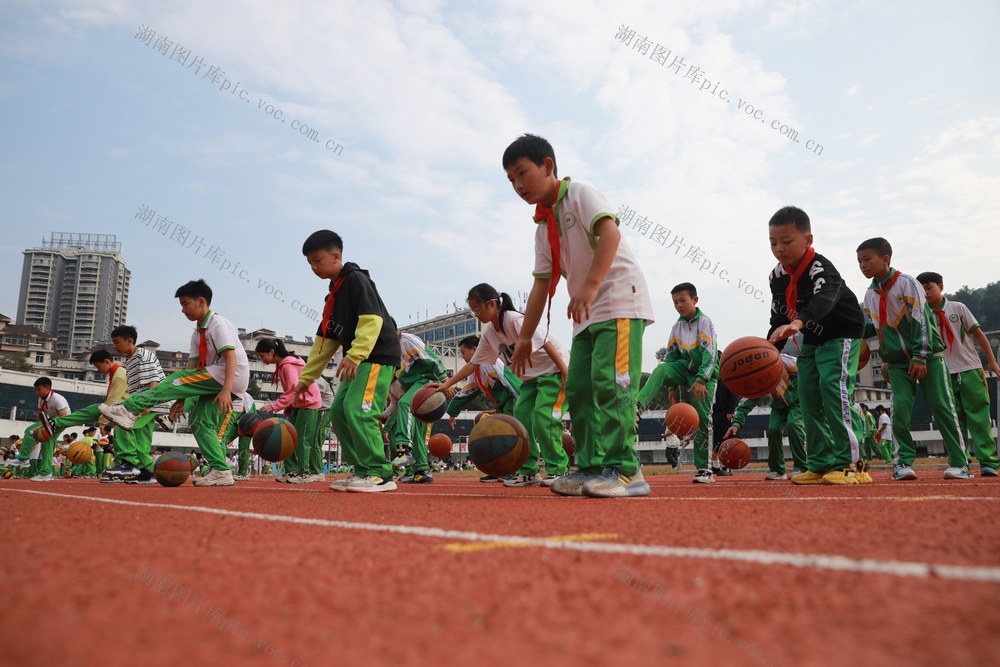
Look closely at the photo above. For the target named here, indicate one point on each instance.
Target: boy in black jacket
(354, 318)
(808, 295)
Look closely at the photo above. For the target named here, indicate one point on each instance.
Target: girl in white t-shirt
(540, 403)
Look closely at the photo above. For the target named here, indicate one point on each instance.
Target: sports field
(743, 572)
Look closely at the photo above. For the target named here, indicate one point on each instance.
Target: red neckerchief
(792, 291)
(111, 376)
(946, 332)
(203, 342)
(328, 307)
(484, 387)
(883, 303)
(547, 213)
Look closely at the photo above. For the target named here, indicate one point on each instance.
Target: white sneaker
(703, 476)
(242, 478)
(281, 477)
(772, 475)
(371, 484)
(951, 473)
(299, 479)
(42, 478)
(18, 463)
(342, 484)
(318, 477)
(216, 478)
(118, 414)
(524, 480)
(549, 480)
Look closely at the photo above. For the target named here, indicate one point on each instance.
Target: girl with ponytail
(539, 404)
(305, 465)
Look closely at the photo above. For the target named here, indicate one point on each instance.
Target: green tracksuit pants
(539, 408)
(308, 452)
(356, 409)
(936, 387)
(834, 427)
(43, 464)
(789, 417)
(605, 369)
(972, 402)
(408, 430)
(213, 430)
(676, 374)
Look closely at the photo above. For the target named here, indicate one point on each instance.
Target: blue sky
(424, 96)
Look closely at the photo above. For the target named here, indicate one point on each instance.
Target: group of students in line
(528, 373)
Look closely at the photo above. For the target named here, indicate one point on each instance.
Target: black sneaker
(721, 471)
(420, 477)
(105, 479)
(123, 469)
(145, 476)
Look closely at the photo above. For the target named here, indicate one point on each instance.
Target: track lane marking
(802, 561)
(462, 547)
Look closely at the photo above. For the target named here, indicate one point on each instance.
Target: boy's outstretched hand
(224, 399)
(731, 432)
(347, 370)
(579, 304)
(301, 389)
(699, 392)
(917, 371)
(521, 359)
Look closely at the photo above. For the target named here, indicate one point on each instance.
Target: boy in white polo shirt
(217, 371)
(34, 455)
(577, 235)
(959, 328)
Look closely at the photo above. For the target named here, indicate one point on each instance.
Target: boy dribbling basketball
(809, 295)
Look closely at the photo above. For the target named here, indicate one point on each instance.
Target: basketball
(247, 424)
(865, 356)
(275, 439)
(498, 446)
(734, 453)
(42, 434)
(682, 419)
(751, 367)
(481, 415)
(569, 443)
(439, 445)
(429, 405)
(80, 453)
(172, 469)
(7, 473)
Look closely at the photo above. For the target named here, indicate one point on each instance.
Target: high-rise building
(75, 287)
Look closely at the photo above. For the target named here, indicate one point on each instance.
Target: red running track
(744, 572)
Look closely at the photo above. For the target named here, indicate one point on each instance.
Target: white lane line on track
(803, 561)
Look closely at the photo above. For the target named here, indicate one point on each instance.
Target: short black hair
(100, 355)
(90, 429)
(195, 289)
(125, 331)
(469, 342)
(930, 277)
(791, 215)
(685, 287)
(324, 239)
(43, 382)
(881, 247)
(879, 407)
(534, 148)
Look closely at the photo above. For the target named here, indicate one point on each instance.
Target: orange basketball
(569, 443)
(682, 419)
(439, 445)
(751, 367)
(80, 453)
(734, 453)
(865, 356)
(498, 446)
(428, 405)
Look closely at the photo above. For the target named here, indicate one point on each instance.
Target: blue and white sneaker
(42, 478)
(987, 471)
(957, 473)
(572, 484)
(18, 463)
(613, 484)
(902, 472)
